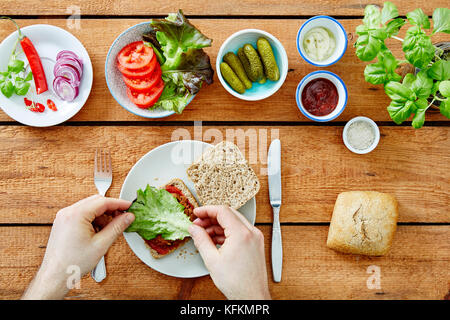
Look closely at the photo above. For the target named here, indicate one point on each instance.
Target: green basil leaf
(419, 118)
(435, 87)
(444, 88)
(7, 88)
(422, 85)
(399, 111)
(440, 70)
(445, 107)
(21, 87)
(419, 49)
(418, 18)
(441, 20)
(375, 73)
(399, 92)
(388, 12)
(388, 60)
(16, 66)
(372, 16)
(393, 27)
(368, 46)
(29, 76)
(361, 29)
(408, 80)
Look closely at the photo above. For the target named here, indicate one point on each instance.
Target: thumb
(114, 229)
(204, 244)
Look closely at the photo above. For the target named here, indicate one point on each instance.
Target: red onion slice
(70, 54)
(64, 90)
(71, 61)
(68, 71)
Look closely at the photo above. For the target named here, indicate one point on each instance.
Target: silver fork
(102, 180)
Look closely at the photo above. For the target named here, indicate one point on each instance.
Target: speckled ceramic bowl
(114, 78)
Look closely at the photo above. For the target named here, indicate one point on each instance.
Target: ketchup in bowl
(320, 97)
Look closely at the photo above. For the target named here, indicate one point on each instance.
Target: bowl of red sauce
(321, 96)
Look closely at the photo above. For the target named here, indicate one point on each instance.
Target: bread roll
(363, 222)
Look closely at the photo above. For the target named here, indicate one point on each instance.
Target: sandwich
(222, 176)
(163, 216)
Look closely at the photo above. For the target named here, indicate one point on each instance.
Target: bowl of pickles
(252, 64)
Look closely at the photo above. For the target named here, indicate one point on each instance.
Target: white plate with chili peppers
(45, 75)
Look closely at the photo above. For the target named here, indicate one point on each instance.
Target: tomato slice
(143, 85)
(135, 55)
(145, 100)
(139, 73)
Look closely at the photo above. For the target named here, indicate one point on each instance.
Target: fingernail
(129, 218)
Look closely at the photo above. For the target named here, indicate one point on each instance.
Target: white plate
(48, 41)
(157, 168)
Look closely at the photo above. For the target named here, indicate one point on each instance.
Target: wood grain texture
(44, 170)
(214, 103)
(415, 268)
(212, 7)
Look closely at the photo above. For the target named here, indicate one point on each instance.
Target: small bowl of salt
(361, 135)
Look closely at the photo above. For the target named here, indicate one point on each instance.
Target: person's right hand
(238, 267)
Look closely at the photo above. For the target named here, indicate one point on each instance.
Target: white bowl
(114, 78)
(341, 89)
(375, 141)
(238, 40)
(334, 27)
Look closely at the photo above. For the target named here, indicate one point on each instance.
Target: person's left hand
(74, 243)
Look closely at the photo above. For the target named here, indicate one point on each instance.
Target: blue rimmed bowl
(341, 89)
(114, 80)
(338, 31)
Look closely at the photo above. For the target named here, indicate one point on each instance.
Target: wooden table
(45, 169)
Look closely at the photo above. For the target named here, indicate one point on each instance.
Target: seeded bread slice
(178, 183)
(222, 176)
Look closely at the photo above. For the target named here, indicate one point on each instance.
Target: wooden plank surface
(44, 170)
(214, 103)
(415, 268)
(213, 7)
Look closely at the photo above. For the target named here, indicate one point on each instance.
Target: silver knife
(274, 175)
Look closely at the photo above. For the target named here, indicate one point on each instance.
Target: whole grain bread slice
(222, 176)
(187, 193)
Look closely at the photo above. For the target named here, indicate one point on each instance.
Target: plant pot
(444, 45)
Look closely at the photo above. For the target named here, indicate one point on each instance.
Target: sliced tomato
(135, 55)
(145, 100)
(139, 73)
(143, 85)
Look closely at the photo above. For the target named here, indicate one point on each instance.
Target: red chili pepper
(51, 105)
(40, 107)
(33, 59)
(27, 102)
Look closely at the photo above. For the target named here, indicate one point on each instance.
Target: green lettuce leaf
(157, 212)
(175, 96)
(177, 36)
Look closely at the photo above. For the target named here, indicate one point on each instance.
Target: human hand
(73, 242)
(238, 267)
